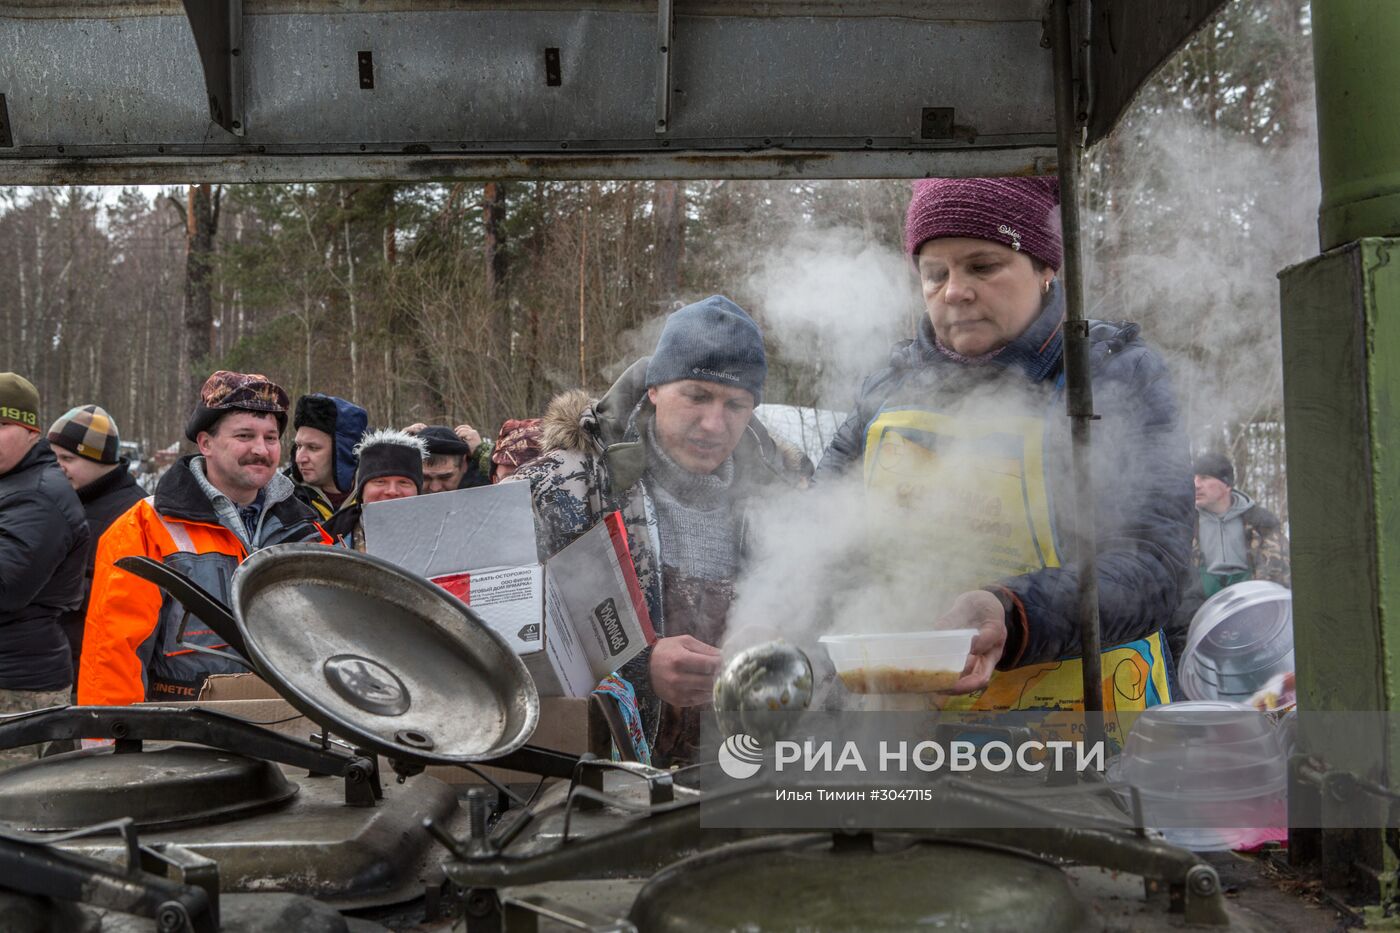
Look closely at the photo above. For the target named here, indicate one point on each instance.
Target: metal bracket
(589, 773)
(1202, 897)
(218, 35)
(190, 869)
(664, 37)
(33, 864)
(199, 727)
(523, 913)
(7, 139)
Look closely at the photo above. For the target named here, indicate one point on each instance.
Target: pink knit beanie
(1021, 212)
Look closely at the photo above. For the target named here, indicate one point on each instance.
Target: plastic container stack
(1207, 772)
(1239, 640)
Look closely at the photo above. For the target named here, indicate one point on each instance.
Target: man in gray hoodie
(1236, 540)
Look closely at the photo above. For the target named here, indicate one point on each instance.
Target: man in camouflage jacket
(675, 448)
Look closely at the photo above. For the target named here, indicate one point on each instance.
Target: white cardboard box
(573, 619)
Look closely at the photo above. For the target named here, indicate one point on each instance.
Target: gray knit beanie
(714, 341)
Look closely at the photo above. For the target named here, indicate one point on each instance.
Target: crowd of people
(675, 448)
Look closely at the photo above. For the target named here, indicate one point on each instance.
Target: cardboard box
(574, 618)
(220, 687)
(566, 724)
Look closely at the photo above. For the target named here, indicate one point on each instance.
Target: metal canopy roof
(277, 90)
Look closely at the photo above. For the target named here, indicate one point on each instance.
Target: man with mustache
(210, 511)
(675, 447)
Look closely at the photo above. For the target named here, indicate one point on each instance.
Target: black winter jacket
(1141, 470)
(44, 546)
(104, 500)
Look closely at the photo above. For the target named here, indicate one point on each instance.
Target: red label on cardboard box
(617, 531)
(458, 584)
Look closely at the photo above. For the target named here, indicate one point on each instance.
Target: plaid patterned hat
(89, 432)
(521, 441)
(227, 391)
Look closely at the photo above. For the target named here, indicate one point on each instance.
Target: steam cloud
(1191, 254)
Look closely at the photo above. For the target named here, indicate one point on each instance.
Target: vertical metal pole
(664, 37)
(1079, 396)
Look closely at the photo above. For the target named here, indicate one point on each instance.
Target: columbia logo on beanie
(713, 340)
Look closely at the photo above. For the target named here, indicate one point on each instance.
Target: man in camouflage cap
(43, 547)
(210, 511)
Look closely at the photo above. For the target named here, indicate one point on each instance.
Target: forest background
(480, 301)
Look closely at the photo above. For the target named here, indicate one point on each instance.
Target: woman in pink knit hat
(964, 433)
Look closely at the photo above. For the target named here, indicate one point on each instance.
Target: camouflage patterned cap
(521, 440)
(227, 391)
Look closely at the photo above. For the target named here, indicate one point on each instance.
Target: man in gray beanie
(675, 447)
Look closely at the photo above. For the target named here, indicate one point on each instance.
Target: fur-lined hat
(389, 452)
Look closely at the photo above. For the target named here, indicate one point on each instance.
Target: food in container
(905, 662)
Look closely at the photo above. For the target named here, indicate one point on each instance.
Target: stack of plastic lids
(1207, 772)
(1240, 639)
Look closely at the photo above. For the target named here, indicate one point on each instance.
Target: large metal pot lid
(382, 657)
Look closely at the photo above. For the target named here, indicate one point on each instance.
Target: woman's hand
(980, 610)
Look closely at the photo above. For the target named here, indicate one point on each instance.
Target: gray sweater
(1223, 546)
(698, 523)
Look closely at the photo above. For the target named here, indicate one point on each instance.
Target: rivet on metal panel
(553, 76)
(6, 140)
(366, 71)
(936, 123)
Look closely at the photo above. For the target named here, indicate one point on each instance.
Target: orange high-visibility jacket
(131, 644)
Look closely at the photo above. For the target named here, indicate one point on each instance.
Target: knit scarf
(698, 524)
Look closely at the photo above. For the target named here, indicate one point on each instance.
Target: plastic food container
(907, 662)
(1240, 639)
(1206, 771)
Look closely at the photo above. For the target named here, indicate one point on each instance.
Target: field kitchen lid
(382, 657)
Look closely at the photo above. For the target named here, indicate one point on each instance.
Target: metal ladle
(759, 685)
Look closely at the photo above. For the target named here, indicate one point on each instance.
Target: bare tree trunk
(582, 321)
(534, 399)
(493, 215)
(350, 292)
(391, 255)
(306, 319)
(669, 210)
(201, 220)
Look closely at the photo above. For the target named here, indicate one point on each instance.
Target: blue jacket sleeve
(847, 446)
(1144, 507)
